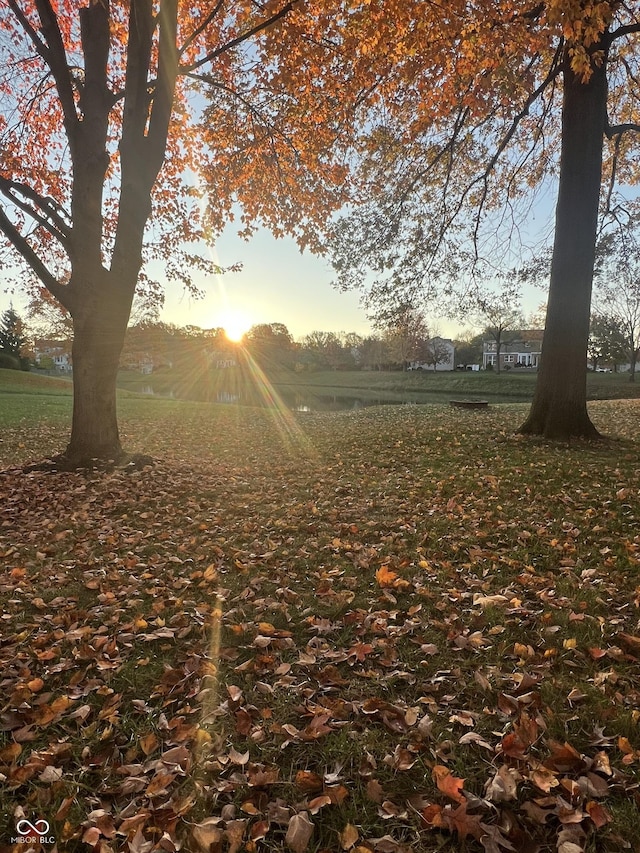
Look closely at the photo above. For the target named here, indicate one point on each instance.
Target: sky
(277, 284)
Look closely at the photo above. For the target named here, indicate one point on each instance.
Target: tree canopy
(480, 107)
(105, 143)
(132, 132)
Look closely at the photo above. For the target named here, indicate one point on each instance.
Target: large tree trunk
(559, 408)
(98, 338)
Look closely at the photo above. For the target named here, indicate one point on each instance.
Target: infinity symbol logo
(25, 827)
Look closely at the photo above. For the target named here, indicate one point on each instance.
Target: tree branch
(263, 25)
(49, 219)
(165, 84)
(137, 97)
(56, 58)
(626, 30)
(96, 99)
(203, 26)
(59, 291)
(552, 74)
(618, 129)
(37, 42)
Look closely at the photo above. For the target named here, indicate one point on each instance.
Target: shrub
(8, 361)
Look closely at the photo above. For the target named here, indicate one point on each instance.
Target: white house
(58, 351)
(522, 349)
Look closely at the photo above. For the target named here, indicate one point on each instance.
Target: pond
(308, 400)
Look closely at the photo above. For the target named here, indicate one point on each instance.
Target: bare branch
(614, 169)
(551, 76)
(627, 30)
(619, 129)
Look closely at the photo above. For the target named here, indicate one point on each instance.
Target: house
(221, 360)
(437, 354)
(54, 355)
(520, 348)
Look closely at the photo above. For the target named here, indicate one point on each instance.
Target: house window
(509, 359)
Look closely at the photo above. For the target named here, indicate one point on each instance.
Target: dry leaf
(206, 834)
(299, 832)
(450, 785)
(349, 836)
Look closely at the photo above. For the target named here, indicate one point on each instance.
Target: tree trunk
(559, 408)
(97, 343)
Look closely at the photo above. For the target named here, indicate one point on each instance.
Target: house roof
(531, 335)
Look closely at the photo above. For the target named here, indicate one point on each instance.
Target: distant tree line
(271, 346)
(401, 338)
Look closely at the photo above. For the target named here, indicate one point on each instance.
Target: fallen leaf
(450, 785)
(349, 836)
(207, 834)
(299, 832)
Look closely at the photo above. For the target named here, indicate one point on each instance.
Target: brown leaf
(503, 787)
(207, 835)
(237, 757)
(299, 832)
(375, 792)
(308, 781)
(598, 814)
(337, 793)
(564, 758)
(349, 836)
(318, 803)
(10, 752)
(462, 823)
(149, 743)
(432, 816)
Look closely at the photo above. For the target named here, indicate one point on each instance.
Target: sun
(235, 323)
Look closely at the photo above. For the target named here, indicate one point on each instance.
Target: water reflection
(237, 388)
(335, 402)
(303, 402)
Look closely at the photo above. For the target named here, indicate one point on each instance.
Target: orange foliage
(286, 106)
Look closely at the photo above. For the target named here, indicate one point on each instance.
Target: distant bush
(9, 362)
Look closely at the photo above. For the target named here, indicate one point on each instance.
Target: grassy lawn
(401, 628)
(26, 397)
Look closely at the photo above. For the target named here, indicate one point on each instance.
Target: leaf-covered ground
(390, 630)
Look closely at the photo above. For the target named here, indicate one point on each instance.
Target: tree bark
(98, 337)
(559, 408)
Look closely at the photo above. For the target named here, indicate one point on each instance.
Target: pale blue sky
(277, 284)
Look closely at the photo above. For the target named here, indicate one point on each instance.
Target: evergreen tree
(12, 339)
